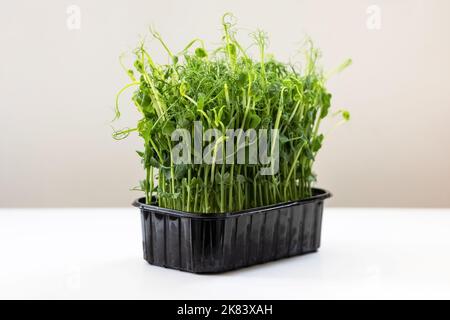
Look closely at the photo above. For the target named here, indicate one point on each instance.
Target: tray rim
(318, 195)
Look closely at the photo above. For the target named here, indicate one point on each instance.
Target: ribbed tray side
(217, 245)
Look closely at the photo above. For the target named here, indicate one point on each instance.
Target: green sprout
(226, 88)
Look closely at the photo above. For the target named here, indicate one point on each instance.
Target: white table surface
(97, 254)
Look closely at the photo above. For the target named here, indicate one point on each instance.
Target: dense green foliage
(227, 89)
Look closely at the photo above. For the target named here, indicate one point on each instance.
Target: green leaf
(317, 143)
(168, 128)
(201, 101)
(138, 65)
(231, 49)
(180, 170)
(152, 162)
(254, 121)
(309, 154)
(326, 103)
(240, 178)
(140, 153)
(311, 178)
(143, 185)
(283, 139)
(201, 53)
(346, 115)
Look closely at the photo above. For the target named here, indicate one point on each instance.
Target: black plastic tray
(221, 242)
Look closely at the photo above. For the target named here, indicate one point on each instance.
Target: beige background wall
(57, 89)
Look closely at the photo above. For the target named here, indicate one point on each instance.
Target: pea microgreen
(226, 88)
